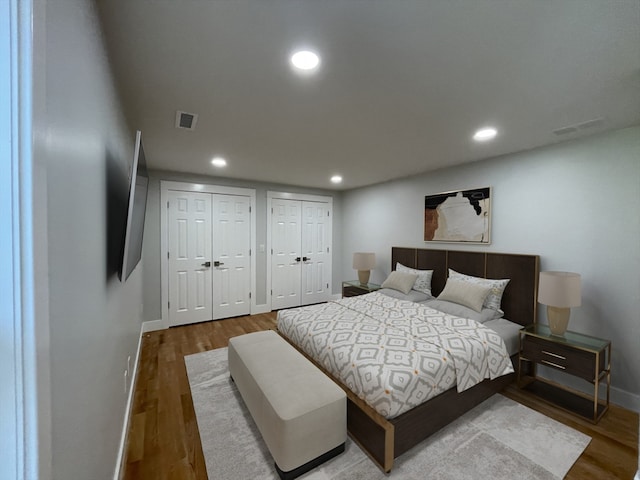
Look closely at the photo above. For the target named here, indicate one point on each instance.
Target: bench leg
(310, 465)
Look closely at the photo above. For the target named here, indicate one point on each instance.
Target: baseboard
(153, 325)
(119, 470)
(625, 399)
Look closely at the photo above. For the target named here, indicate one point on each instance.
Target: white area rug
(499, 439)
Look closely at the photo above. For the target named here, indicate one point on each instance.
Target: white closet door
(231, 256)
(316, 256)
(286, 258)
(189, 223)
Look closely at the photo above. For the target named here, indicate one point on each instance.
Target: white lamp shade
(559, 289)
(364, 260)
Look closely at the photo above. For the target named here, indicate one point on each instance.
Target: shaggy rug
(498, 439)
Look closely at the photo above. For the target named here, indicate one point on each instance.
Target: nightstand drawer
(580, 363)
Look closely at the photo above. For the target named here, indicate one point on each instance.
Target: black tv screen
(138, 186)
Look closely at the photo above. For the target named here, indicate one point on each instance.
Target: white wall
(11, 394)
(94, 320)
(151, 246)
(575, 204)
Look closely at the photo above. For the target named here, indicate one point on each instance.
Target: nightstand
(576, 354)
(353, 288)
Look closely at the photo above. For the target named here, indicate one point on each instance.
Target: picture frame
(458, 216)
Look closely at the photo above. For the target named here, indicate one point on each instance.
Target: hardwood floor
(164, 442)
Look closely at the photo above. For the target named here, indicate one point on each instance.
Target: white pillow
(412, 296)
(423, 282)
(400, 281)
(464, 293)
(497, 287)
(458, 310)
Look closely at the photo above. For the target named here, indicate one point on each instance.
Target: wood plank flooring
(164, 442)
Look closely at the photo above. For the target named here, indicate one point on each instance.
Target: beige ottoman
(300, 412)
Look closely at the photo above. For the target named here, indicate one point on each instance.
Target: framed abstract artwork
(458, 216)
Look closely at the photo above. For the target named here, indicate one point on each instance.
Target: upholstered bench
(300, 412)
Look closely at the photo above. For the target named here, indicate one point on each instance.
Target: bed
(386, 429)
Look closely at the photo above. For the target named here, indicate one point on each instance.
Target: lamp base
(363, 276)
(558, 319)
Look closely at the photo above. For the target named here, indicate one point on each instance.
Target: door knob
(306, 259)
(297, 259)
(217, 264)
(206, 264)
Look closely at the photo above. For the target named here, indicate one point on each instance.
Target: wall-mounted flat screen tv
(138, 186)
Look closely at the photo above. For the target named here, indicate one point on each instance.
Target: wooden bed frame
(386, 439)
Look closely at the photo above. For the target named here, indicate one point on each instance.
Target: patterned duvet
(395, 354)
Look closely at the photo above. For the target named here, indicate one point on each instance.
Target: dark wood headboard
(519, 301)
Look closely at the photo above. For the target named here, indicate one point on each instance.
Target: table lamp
(363, 262)
(559, 291)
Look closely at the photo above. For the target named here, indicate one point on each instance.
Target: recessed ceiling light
(305, 60)
(484, 134)
(336, 179)
(219, 162)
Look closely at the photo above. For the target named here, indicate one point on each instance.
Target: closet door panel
(189, 224)
(231, 256)
(286, 231)
(315, 240)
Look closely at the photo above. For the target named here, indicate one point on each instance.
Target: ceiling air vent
(186, 121)
(596, 122)
(565, 130)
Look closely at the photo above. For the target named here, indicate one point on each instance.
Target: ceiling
(401, 87)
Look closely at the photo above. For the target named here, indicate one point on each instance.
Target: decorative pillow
(412, 296)
(400, 281)
(423, 282)
(494, 298)
(458, 310)
(468, 294)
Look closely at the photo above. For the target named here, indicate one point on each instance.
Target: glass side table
(352, 288)
(574, 353)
